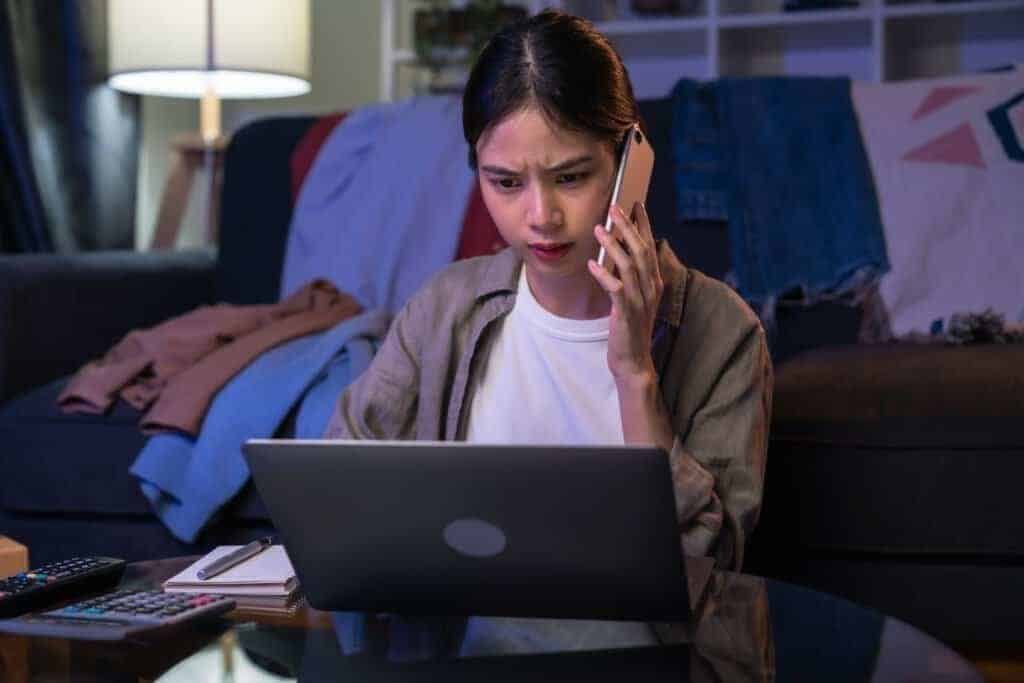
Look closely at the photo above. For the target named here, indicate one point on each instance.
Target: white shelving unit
(876, 41)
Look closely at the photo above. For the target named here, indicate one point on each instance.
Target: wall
(345, 73)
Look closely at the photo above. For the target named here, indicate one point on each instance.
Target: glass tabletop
(742, 628)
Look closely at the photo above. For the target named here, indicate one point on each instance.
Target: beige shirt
(714, 371)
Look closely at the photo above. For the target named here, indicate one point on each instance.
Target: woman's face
(546, 189)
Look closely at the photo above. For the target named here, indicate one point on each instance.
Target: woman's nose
(543, 212)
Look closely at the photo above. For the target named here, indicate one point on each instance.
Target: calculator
(120, 615)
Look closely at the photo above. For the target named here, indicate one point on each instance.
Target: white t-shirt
(546, 381)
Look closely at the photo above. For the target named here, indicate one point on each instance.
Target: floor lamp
(207, 50)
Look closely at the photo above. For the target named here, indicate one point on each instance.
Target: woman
(642, 350)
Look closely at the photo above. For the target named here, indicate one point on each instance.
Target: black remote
(50, 583)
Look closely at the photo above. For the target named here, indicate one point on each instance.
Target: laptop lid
(436, 528)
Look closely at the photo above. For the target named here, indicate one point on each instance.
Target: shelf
(940, 8)
(878, 40)
(809, 16)
(403, 56)
(619, 27)
(824, 49)
(930, 46)
(820, 16)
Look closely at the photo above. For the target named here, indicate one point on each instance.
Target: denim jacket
(714, 371)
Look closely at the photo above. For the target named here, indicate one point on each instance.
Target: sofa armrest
(58, 311)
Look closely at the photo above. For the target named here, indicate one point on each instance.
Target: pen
(225, 562)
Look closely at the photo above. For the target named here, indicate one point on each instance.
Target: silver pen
(226, 562)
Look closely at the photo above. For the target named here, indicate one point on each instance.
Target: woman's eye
(506, 183)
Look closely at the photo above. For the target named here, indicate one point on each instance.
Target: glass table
(743, 628)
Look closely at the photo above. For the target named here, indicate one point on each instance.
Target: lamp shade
(185, 48)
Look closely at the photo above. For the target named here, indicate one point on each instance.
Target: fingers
(609, 283)
(647, 232)
(625, 265)
(643, 223)
(638, 265)
(642, 249)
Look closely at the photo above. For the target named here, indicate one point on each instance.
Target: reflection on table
(743, 629)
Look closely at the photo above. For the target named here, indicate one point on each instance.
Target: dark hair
(557, 62)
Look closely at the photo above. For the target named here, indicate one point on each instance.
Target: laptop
(450, 528)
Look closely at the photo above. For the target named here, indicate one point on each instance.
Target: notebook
(261, 604)
(268, 574)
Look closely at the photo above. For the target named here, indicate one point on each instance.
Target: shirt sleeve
(718, 467)
(381, 403)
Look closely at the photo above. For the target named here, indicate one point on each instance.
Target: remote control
(41, 587)
(119, 615)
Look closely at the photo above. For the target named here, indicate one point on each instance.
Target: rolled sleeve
(698, 507)
(718, 468)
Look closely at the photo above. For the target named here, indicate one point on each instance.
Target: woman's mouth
(550, 252)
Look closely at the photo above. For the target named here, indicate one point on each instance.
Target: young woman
(539, 343)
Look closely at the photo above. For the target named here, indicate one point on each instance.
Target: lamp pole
(209, 102)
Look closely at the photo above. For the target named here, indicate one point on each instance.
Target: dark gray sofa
(892, 470)
(66, 489)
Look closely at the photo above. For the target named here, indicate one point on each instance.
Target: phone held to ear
(632, 177)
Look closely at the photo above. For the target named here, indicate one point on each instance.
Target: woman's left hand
(635, 290)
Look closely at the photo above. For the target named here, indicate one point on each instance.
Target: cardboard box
(13, 557)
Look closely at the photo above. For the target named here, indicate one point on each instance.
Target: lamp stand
(209, 116)
(193, 151)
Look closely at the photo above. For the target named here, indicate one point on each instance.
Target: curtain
(69, 152)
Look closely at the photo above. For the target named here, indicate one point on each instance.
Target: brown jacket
(711, 355)
(176, 368)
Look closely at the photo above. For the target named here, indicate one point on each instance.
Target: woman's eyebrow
(498, 170)
(563, 166)
(571, 163)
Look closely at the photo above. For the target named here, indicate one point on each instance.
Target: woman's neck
(578, 298)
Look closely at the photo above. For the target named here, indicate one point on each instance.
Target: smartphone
(633, 176)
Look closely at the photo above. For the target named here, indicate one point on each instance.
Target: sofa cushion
(68, 463)
(132, 538)
(899, 449)
(54, 462)
(903, 381)
(256, 209)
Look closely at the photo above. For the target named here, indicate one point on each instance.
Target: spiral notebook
(268, 574)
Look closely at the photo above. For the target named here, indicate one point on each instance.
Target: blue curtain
(22, 226)
(69, 150)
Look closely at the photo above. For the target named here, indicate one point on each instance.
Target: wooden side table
(192, 154)
(13, 658)
(13, 557)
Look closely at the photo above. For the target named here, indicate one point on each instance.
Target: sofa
(892, 469)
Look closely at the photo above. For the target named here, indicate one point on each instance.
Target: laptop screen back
(451, 528)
